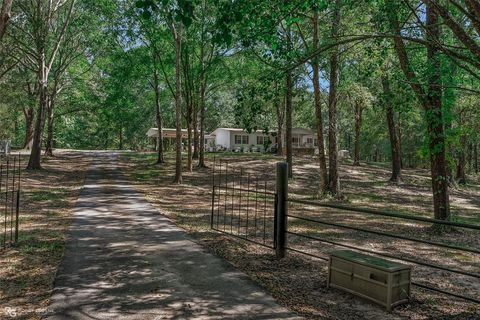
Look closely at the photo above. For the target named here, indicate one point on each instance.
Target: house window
(241, 139)
(310, 141)
(295, 140)
(260, 140)
(315, 142)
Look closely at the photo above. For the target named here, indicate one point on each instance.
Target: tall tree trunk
(461, 173)
(375, 154)
(435, 120)
(289, 112)
(395, 146)
(35, 154)
(431, 101)
(400, 143)
(280, 111)
(451, 151)
(29, 118)
(120, 138)
(203, 88)
(158, 117)
(470, 157)
(358, 127)
(475, 157)
(50, 117)
(196, 135)
(5, 15)
(322, 161)
(333, 178)
(178, 107)
(188, 101)
(189, 142)
(288, 124)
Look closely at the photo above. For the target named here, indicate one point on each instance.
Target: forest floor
(27, 270)
(299, 281)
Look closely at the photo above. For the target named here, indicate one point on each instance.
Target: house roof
(302, 131)
(234, 130)
(171, 132)
(294, 131)
(167, 132)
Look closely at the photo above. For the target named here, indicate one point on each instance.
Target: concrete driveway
(124, 260)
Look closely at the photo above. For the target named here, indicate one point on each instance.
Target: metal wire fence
(244, 206)
(318, 223)
(10, 192)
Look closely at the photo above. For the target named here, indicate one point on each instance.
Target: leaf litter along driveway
(124, 260)
(299, 282)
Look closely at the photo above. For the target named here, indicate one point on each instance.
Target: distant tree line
(388, 80)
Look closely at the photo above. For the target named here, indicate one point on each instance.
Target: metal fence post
(281, 210)
(213, 193)
(17, 211)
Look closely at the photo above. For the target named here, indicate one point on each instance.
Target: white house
(303, 138)
(238, 139)
(170, 135)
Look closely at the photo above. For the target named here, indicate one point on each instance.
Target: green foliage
(247, 46)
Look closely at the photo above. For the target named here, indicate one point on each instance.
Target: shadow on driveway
(124, 260)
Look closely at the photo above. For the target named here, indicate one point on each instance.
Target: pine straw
(28, 269)
(299, 282)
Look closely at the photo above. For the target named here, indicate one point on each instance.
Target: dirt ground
(27, 270)
(299, 281)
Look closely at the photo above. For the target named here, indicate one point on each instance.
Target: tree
(333, 177)
(210, 58)
(44, 24)
(158, 112)
(176, 31)
(155, 38)
(392, 132)
(322, 161)
(288, 122)
(279, 107)
(5, 15)
(430, 99)
(178, 15)
(79, 43)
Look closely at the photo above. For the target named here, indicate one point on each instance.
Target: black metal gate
(10, 187)
(242, 204)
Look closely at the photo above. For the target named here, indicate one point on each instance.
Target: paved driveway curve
(124, 260)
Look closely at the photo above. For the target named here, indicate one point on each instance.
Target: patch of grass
(251, 155)
(46, 195)
(189, 206)
(146, 174)
(430, 301)
(37, 246)
(44, 216)
(366, 198)
(471, 219)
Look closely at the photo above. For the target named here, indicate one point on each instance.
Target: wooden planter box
(384, 282)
